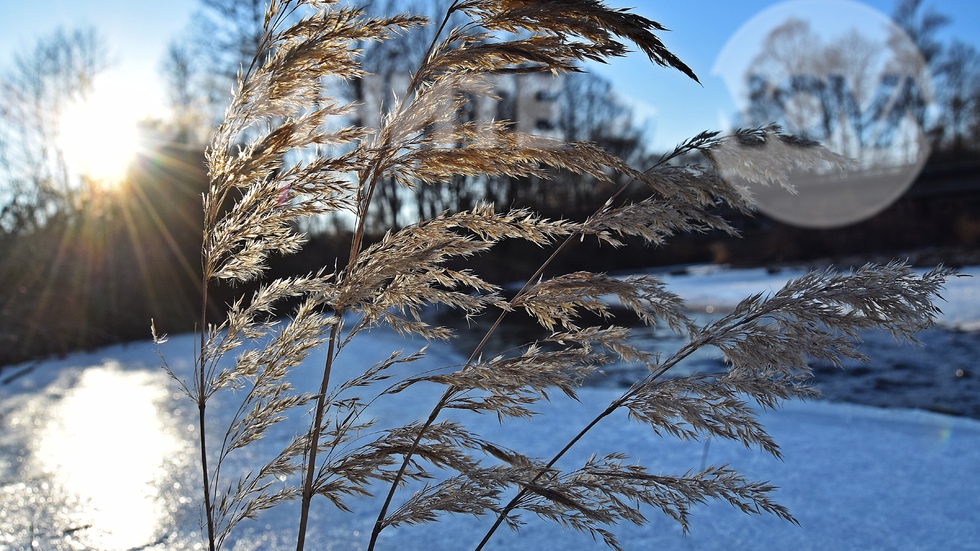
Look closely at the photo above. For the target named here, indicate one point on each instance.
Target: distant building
(530, 101)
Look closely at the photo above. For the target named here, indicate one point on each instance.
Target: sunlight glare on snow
(105, 443)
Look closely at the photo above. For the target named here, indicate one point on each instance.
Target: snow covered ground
(713, 285)
(97, 451)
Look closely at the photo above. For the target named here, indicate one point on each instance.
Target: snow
(719, 289)
(98, 451)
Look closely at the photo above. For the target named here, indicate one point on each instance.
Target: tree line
(83, 268)
(853, 92)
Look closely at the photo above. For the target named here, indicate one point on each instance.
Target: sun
(99, 137)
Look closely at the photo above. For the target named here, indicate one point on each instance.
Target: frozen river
(941, 375)
(98, 450)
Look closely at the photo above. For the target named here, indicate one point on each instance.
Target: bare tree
(35, 183)
(389, 65)
(46, 219)
(851, 93)
(959, 70)
(920, 25)
(787, 51)
(202, 66)
(575, 106)
(179, 69)
(223, 30)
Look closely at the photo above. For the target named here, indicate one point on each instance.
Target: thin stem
(201, 407)
(379, 523)
(520, 495)
(204, 472)
(357, 242)
(315, 439)
(432, 46)
(678, 356)
(433, 415)
(605, 413)
(527, 284)
(513, 502)
(365, 202)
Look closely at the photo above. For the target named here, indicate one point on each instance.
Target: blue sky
(137, 33)
(672, 106)
(676, 107)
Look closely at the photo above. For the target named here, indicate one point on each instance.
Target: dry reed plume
(283, 154)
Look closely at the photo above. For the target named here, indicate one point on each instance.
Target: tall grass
(283, 153)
